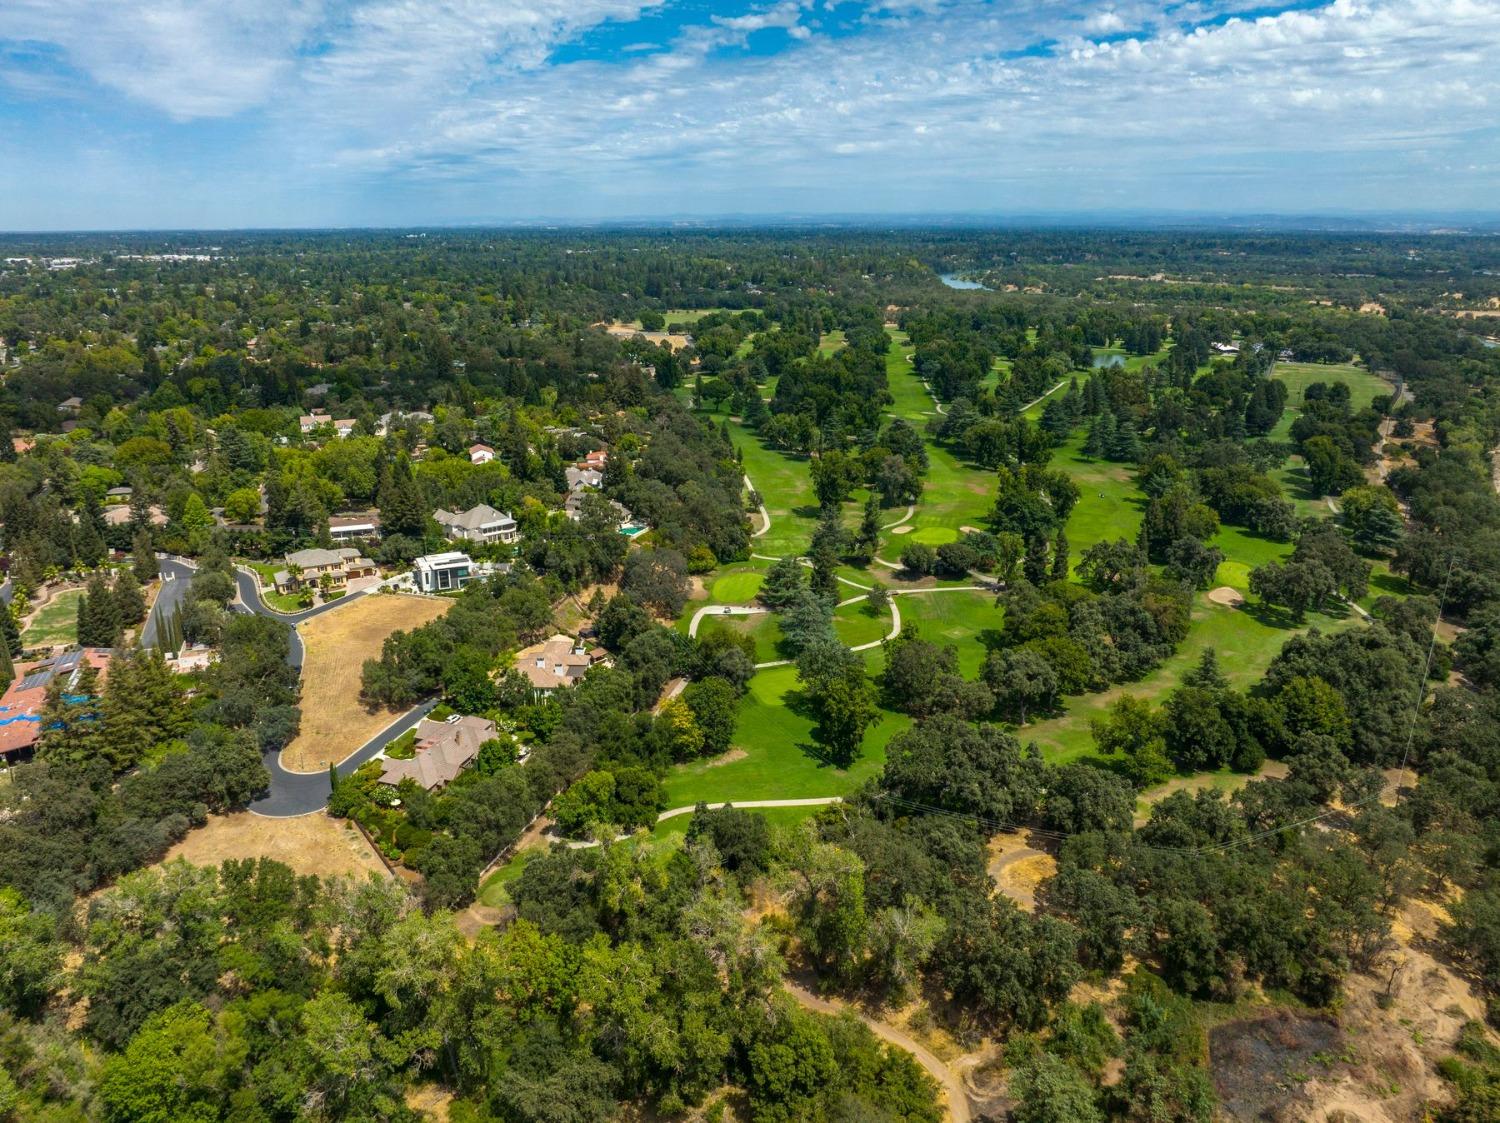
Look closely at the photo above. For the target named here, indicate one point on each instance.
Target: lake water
(954, 281)
(1109, 360)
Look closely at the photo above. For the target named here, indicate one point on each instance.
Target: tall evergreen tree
(10, 631)
(130, 604)
(827, 541)
(1060, 556)
(70, 717)
(141, 708)
(1035, 565)
(99, 620)
(868, 538)
(143, 556)
(1101, 435)
(402, 510)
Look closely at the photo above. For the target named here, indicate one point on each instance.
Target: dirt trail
(1017, 868)
(959, 1108)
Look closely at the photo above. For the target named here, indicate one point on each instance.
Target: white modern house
(481, 524)
(442, 573)
(481, 454)
(346, 528)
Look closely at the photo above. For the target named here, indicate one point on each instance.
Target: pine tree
(1060, 556)
(1073, 400)
(1101, 435)
(143, 556)
(10, 631)
(827, 541)
(1126, 445)
(196, 523)
(130, 605)
(89, 546)
(141, 708)
(70, 717)
(402, 510)
(99, 620)
(1206, 673)
(869, 529)
(1035, 565)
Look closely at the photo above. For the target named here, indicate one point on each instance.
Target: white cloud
(188, 58)
(928, 104)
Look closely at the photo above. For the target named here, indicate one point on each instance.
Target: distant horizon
(384, 114)
(1481, 222)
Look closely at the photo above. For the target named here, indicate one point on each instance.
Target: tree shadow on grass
(992, 639)
(1268, 617)
(1390, 584)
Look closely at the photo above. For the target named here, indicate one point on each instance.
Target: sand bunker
(902, 529)
(1226, 596)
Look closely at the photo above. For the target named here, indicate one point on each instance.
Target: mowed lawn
(1245, 639)
(335, 721)
(1364, 388)
(954, 494)
(56, 623)
(773, 754)
(954, 619)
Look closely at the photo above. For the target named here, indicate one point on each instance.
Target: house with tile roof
(21, 704)
(443, 750)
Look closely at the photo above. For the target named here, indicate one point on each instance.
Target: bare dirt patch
(1227, 596)
(311, 844)
(335, 720)
(1261, 1066)
(1397, 1023)
(727, 758)
(626, 331)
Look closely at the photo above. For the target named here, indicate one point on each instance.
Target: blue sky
(231, 113)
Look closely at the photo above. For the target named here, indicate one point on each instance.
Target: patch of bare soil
(1227, 596)
(310, 844)
(1262, 1066)
(727, 758)
(1397, 1023)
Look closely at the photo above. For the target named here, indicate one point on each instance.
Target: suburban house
(443, 750)
(310, 421)
(398, 417)
(306, 568)
(70, 405)
(481, 454)
(583, 477)
(118, 514)
(559, 661)
(344, 528)
(440, 573)
(595, 460)
(478, 524)
(573, 507)
(21, 704)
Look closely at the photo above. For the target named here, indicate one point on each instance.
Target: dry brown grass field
(310, 844)
(335, 720)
